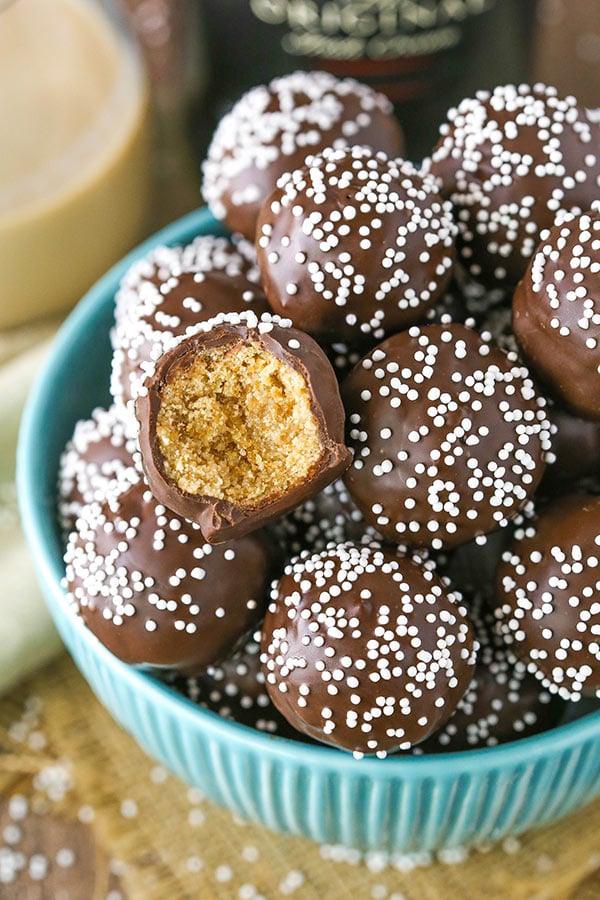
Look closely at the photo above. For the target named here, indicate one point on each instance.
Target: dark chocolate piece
(240, 423)
(509, 160)
(450, 437)
(153, 593)
(364, 649)
(271, 130)
(547, 596)
(355, 245)
(556, 313)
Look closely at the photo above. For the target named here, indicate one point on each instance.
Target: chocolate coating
(556, 313)
(271, 130)
(165, 294)
(509, 160)
(235, 689)
(503, 702)
(221, 519)
(576, 452)
(449, 436)
(100, 458)
(365, 650)
(330, 516)
(153, 593)
(547, 589)
(471, 568)
(355, 245)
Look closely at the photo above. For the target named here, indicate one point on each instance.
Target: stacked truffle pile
(329, 432)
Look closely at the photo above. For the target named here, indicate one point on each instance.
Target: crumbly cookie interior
(238, 424)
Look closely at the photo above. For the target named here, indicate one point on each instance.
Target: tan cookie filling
(238, 425)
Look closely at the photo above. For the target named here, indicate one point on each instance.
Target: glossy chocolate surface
(365, 649)
(449, 436)
(355, 245)
(154, 592)
(556, 313)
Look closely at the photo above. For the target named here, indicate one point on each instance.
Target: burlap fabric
(85, 814)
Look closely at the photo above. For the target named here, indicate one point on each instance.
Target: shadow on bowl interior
(395, 805)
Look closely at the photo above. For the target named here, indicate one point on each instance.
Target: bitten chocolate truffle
(449, 436)
(355, 245)
(271, 130)
(365, 650)
(165, 294)
(153, 592)
(509, 160)
(240, 423)
(556, 312)
(547, 588)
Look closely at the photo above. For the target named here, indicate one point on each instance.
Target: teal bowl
(394, 805)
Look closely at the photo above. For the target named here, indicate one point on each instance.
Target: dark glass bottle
(424, 54)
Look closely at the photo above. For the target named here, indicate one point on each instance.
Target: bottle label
(376, 29)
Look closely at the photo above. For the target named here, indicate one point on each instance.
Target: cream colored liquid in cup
(74, 153)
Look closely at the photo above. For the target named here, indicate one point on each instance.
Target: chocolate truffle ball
(575, 463)
(240, 423)
(99, 458)
(448, 433)
(548, 611)
(235, 689)
(364, 649)
(556, 312)
(448, 308)
(153, 593)
(271, 130)
(471, 567)
(503, 702)
(355, 245)
(510, 160)
(168, 292)
(330, 516)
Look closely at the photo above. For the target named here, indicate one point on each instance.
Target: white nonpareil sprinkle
(129, 809)
(291, 882)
